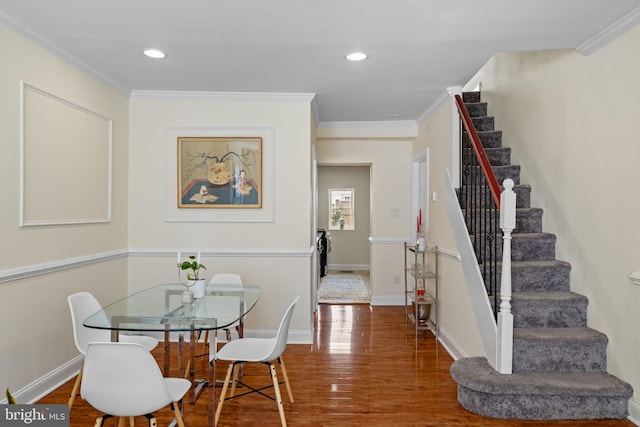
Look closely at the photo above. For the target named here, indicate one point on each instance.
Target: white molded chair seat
(83, 305)
(262, 350)
(124, 380)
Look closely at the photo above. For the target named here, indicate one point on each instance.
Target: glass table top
(160, 308)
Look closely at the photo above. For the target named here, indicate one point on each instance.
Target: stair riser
(470, 97)
(477, 109)
(496, 156)
(531, 249)
(559, 355)
(527, 220)
(549, 314)
(553, 278)
(483, 123)
(489, 139)
(501, 173)
(477, 196)
(528, 247)
(555, 407)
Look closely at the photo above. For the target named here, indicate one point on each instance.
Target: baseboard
(451, 345)
(348, 267)
(634, 412)
(387, 300)
(35, 391)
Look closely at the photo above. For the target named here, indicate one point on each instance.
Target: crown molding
(224, 96)
(38, 36)
(365, 124)
(610, 33)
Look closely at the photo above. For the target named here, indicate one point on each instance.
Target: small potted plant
(195, 282)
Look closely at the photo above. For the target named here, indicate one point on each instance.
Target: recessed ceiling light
(154, 53)
(356, 56)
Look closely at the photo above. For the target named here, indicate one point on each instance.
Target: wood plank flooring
(364, 369)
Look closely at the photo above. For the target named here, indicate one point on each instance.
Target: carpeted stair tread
(558, 297)
(559, 334)
(475, 373)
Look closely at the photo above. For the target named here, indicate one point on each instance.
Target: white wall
(389, 155)
(36, 337)
(572, 123)
(275, 253)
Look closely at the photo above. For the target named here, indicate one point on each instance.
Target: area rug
(343, 288)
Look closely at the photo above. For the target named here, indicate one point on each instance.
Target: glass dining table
(161, 309)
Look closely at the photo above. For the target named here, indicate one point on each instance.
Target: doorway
(344, 215)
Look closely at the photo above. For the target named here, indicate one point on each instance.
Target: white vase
(197, 287)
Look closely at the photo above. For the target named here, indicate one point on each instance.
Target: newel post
(505, 317)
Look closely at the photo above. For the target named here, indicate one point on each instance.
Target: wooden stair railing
(482, 222)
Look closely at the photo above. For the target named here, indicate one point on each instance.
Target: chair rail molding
(51, 267)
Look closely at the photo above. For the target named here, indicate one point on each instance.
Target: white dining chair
(262, 350)
(124, 380)
(83, 305)
(229, 279)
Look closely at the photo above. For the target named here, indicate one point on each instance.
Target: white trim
(456, 158)
(348, 267)
(387, 300)
(224, 96)
(12, 20)
(240, 253)
(389, 240)
(610, 33)
(102, 217)
(49, 382)
(373, 124)
(634, 411)
(451, 345)
(52, 267)
(55, 266)
(438, 102)
(448, 253)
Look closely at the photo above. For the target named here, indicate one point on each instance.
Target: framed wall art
(219, 172)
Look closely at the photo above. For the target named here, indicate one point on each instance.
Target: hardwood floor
(364, 369)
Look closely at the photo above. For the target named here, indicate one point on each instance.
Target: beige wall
(35, 278)
(276, 251)
(572, 122)
(390, 160)
(457, 322)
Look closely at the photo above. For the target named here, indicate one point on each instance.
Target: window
(341, 209)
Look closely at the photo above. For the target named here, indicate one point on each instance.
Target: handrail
(479, 150)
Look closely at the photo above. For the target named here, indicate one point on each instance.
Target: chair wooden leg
(76, 387)
(286, 378)
(131, 422)
(236, 373)
(276, 387)
(177, 414)
(121, 421)
(223, 393)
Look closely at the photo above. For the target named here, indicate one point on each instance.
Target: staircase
(559, 364)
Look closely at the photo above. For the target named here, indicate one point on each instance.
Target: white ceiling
(417, 48)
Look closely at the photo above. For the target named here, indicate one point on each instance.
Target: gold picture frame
(219, 172)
